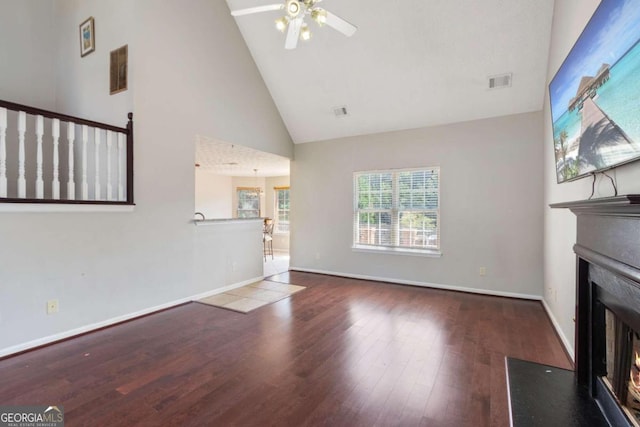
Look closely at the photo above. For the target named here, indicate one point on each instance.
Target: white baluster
(55, 185)
(109, 185)
(96, 141)
(85, 185)
(120, 168)
(39, 180)
(22, 181)
(71, 185)
(3, 152)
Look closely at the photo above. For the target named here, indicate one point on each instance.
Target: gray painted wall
(491, 203)
(27, 51)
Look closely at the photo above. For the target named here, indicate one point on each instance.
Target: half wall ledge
(55, 206)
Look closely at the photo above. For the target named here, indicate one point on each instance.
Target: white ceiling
(412, 63)
(222, 158)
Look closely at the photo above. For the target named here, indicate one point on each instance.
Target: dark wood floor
(342, 352)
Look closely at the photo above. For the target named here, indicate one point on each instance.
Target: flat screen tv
(595, 95)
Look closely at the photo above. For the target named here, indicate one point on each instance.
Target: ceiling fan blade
(340, 24)
(257, 9)
(293, 34)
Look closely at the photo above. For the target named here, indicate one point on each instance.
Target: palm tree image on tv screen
(594, 95)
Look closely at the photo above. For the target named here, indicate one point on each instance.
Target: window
(281, 213)
(397, 210)
(248, 202)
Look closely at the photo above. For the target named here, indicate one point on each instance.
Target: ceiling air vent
(340, 111)
(500, 81)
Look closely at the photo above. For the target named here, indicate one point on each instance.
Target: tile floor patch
(221, 299)
(245, 291)
(245, 305)
(250, 297)
(279, 287)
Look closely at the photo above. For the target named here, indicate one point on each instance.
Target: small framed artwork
(87, 37)
(118, 70)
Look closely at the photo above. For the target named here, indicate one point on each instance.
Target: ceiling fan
(293, 21)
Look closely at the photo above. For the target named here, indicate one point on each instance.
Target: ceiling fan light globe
(319, 15)
(305, 32)
(281, 24)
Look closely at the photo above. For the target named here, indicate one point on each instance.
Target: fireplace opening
(622, 361)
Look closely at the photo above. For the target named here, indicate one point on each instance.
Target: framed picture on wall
(87, 37)
(118, 70)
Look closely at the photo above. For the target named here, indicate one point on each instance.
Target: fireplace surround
(607, 339)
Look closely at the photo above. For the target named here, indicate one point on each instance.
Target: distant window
(248, 203)
(397, 210)
(281, 213)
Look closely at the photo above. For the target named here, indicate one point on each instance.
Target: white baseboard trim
(98, 325)
(423, 284)
(224, 289)
(563, 338)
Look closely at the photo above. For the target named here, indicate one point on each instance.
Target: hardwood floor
(343, 352)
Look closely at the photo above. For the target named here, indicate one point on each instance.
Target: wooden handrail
(63, 117)
(130, 159)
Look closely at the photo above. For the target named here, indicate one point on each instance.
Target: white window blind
(397, 209)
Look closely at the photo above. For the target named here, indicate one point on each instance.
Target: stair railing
(35, 163)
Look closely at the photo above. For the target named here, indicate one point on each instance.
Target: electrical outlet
(234, 266)
(317, 255)
(52, 306)
(483, 271)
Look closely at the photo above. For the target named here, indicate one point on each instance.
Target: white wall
(27, 49)
(570, 18)
(190, 73)
(214, 195)
(491, 203)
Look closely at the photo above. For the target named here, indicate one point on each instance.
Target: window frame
(395, 213)
(255, 190)
(276, 210)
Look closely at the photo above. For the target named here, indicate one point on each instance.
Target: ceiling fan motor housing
(293, 22)
(293, 8)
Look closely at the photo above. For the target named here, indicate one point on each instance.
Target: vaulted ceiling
(412, 63)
